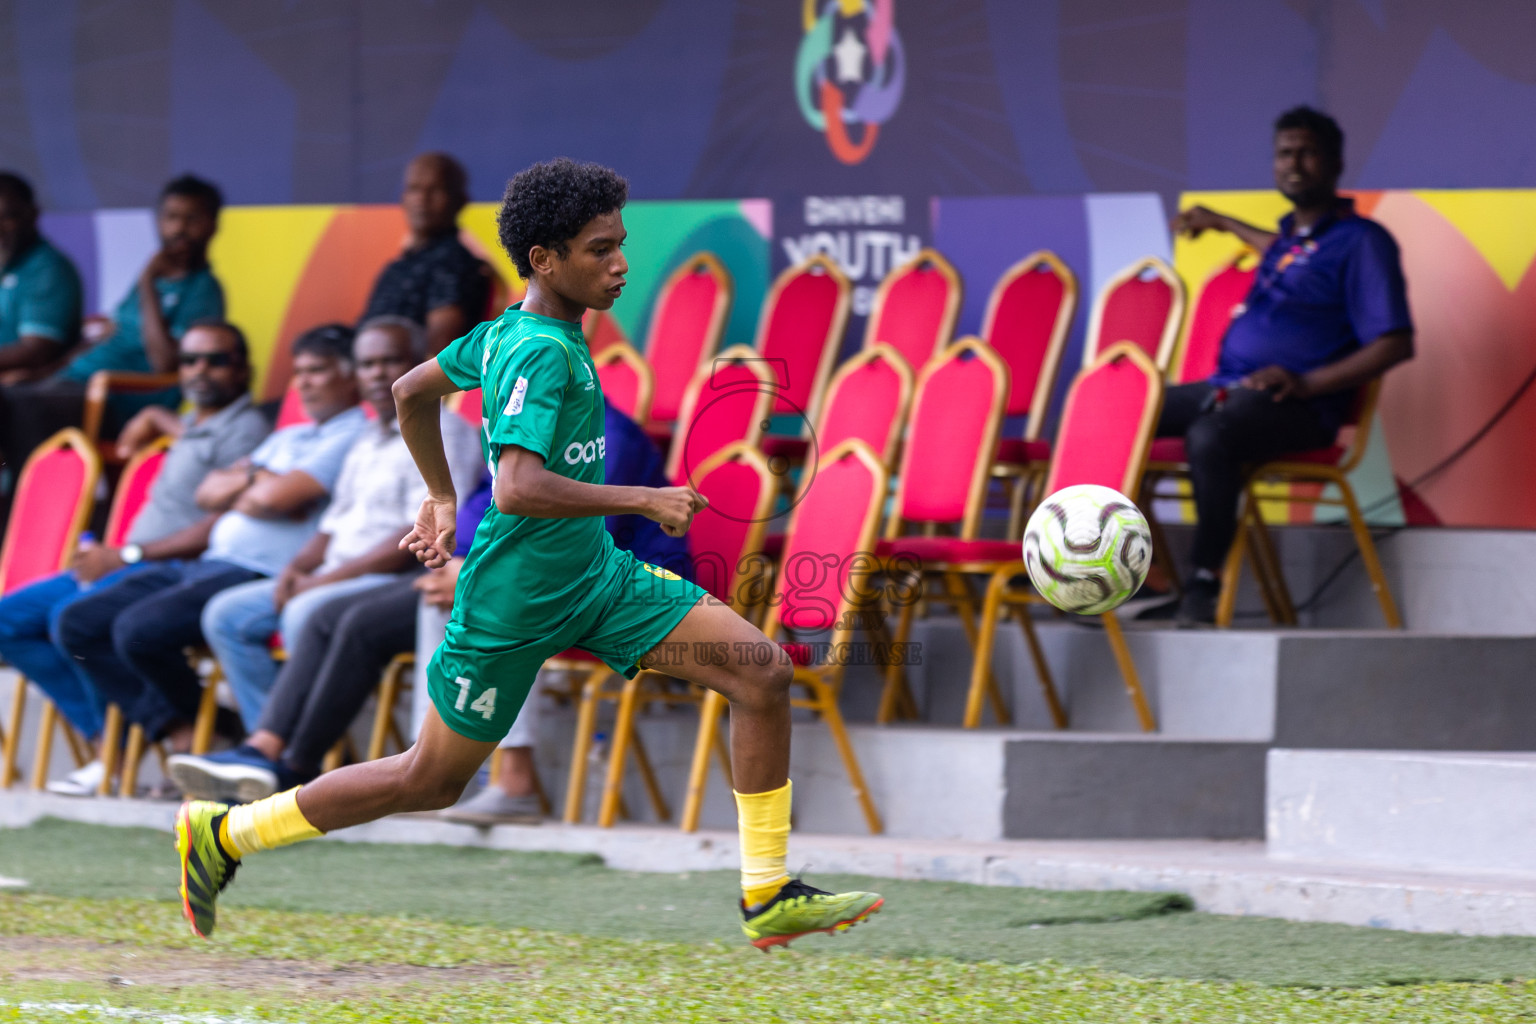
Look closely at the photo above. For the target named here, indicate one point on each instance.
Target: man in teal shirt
(175, 290)
(39, 288)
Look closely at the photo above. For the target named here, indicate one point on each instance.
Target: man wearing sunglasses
(222, 427)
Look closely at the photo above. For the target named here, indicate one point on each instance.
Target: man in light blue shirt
(39, 288)
(128, 639)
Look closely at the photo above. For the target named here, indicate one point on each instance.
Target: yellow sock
(265, 825)
(763, 821)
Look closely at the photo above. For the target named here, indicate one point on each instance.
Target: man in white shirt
(356, 546)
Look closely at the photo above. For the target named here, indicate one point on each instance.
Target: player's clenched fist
(431, 540)
(674, 508)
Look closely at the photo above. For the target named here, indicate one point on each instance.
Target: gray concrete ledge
(1435, 811)
(1221, 877)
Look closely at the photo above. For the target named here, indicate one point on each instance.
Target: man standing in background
(436, 281)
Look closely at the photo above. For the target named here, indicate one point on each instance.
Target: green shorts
(478, 681)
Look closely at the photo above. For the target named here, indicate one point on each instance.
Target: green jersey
(524, 576)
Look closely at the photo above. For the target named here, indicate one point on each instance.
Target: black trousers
(130, 639)
(1220, 437)
(334, 664)
(33, 412)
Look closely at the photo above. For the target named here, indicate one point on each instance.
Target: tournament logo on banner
(850, 72)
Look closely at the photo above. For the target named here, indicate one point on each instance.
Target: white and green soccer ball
(1087, 549)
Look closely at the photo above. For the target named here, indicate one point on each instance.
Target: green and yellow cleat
(798, 909)
(205, 868)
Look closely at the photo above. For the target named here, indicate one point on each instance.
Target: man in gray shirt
(128, 639)
(222, 427)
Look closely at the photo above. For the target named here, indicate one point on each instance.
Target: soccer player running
(543, 576)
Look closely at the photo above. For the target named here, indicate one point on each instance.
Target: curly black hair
(1329, 136)
(548, 204)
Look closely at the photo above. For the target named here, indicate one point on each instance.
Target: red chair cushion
(132, 493)
(723, 412)
(796, 336)
(678, 335)
(790, 447)
(866, 402)
(912, 315)
(621, 386)
(1136, 311)
(1021, 329)
(1168, 449)
(949, 549)
(1017, 451)
(1213, 313)
(47, 495)
(1097, 440)
(946, 435)
(717, 541)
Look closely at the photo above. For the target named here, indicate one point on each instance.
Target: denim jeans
(238, 625)
(26, 620)
(129, 638)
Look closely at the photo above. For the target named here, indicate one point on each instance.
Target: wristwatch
(131, 554)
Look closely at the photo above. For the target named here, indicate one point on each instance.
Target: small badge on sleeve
(520, 389)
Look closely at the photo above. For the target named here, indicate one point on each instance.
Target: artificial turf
(1147, 935)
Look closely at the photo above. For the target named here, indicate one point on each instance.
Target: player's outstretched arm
(524, 487)
(418, 403)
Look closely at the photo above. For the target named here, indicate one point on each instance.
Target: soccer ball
(1087, 549)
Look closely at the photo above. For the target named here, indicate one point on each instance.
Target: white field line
(104, 1012)
(12, 883)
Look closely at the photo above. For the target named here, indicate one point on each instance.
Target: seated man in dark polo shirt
(221, 428)
(1327, 313)
(40, 293)
(436, 282)
(175, 289)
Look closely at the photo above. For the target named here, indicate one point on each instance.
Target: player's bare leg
(758, 694)
(429, 776)
(775, 908)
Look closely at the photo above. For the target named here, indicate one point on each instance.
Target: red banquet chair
(1027, 320)
(55, 492)
(1103, 437)
(800, 332)
(687, 323)
(1143, 304)
(627, 380)
(1219, 302)
(915, 308)
(601, 329)
(726, 401)
(128, 500)
(866, 398)
(725, 545)
(835, 519)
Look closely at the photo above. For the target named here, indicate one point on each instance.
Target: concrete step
(1465, 811)
(1304, 688)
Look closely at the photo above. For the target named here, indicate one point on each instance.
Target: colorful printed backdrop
(1468, 257)
(287, 268)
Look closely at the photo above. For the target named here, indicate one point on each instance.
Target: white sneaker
(83, 781)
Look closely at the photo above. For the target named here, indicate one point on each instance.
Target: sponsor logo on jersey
(577, 453)
(590, 382)
(666, 574)
(519, 390)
